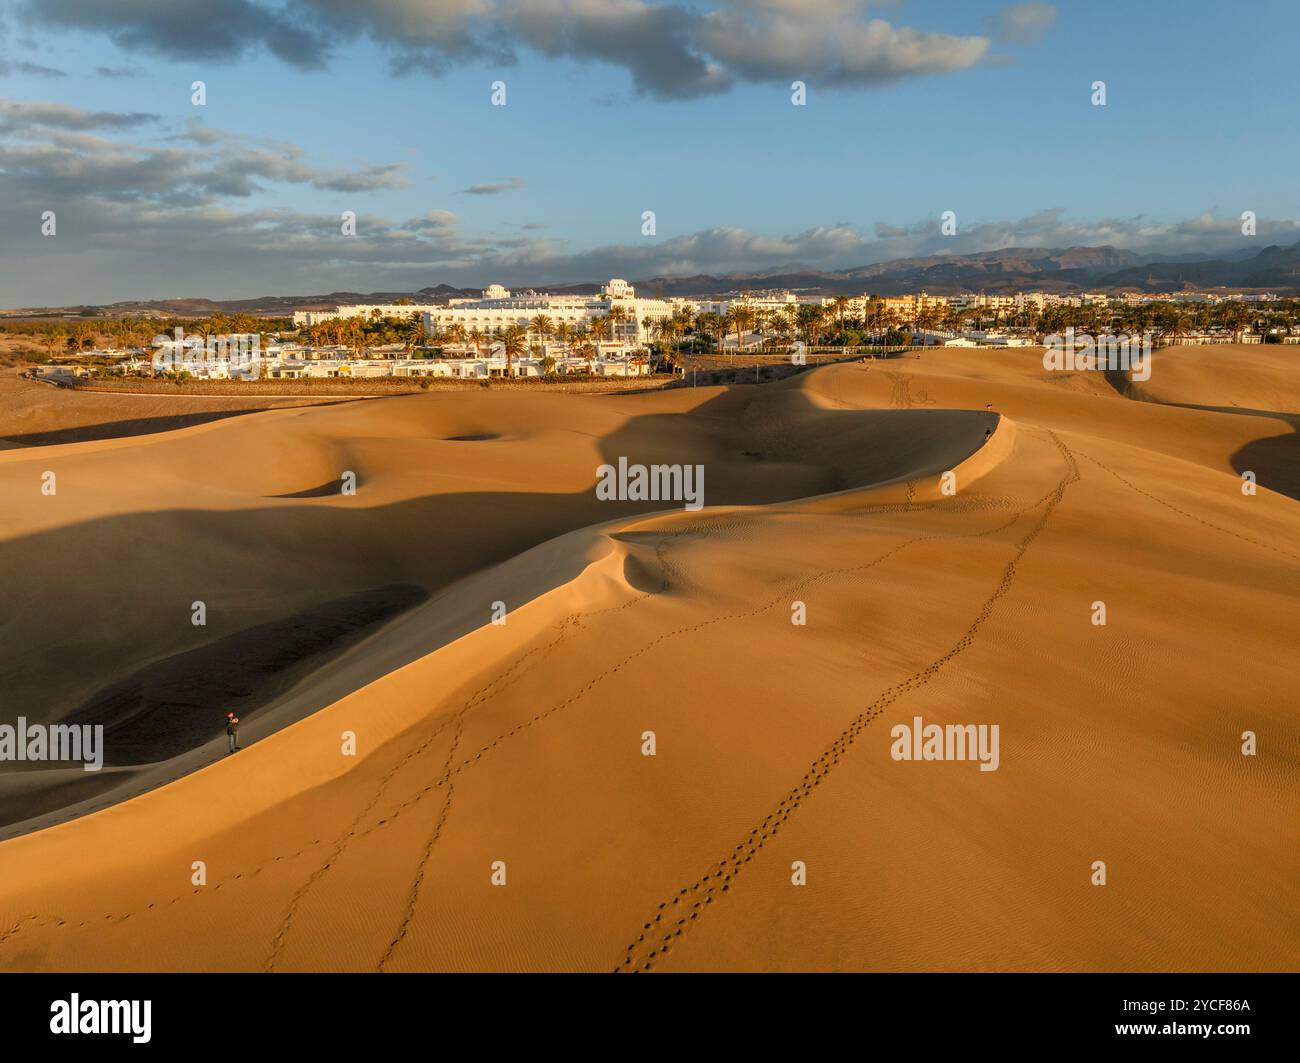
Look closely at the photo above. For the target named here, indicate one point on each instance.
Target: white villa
(483, 368)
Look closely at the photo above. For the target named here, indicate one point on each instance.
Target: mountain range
(1060, 270)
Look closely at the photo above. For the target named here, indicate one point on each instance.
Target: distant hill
(1274, 267)
(262, 306)
(1060, 270)
(1014, 269)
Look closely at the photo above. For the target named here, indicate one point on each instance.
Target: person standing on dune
(232, 730)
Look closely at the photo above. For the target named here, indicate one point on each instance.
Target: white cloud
(1023, 23)
(763, 40)
(669, 49)
(510, 184)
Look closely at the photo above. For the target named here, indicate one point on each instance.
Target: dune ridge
(522, 742)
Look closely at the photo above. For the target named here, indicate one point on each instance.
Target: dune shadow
(758, 446)
(180, 702)
(135, 426)
(1274, 460)
(139, 426)
(24, 795)
(325, 490)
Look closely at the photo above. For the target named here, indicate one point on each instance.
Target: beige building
(909, 306)
(981, 301)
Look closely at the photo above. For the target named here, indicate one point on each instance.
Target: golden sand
(515, 751)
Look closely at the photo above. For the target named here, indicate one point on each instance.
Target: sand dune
(1260, 383)
(39, 414)
(522, 743)
(1260, 377)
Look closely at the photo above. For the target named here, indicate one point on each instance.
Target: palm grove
(839, 322)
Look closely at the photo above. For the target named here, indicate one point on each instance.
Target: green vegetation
(841, 322)
(848, 323)
(62, 337)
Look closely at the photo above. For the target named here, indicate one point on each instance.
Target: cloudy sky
(614, 108)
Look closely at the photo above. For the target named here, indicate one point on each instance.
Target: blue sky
(1197, 128)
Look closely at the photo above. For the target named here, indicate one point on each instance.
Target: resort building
(767, 302)
(372, 311)
(1002, 303)
(631, 318)
(906, 307)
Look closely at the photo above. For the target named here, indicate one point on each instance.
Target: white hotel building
(498, 308)
(767, 302)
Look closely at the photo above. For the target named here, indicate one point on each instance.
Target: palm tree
(356, 336)
(53, 340)
(514, 341)
(651, 328)
(809, 318)
(740, 317)
(599, 330)
(793, 320)
(718, 326)
(875, 312)
(841, 303)
(666, 328)
(577, 338)
(542, 327)
(144, 333)
(730, 323)
(475, 336)
(617, 315)
(1178, 320)
(564, 334)
(704, 323)
(412, 332)
(777, 324)
(1234, 317)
